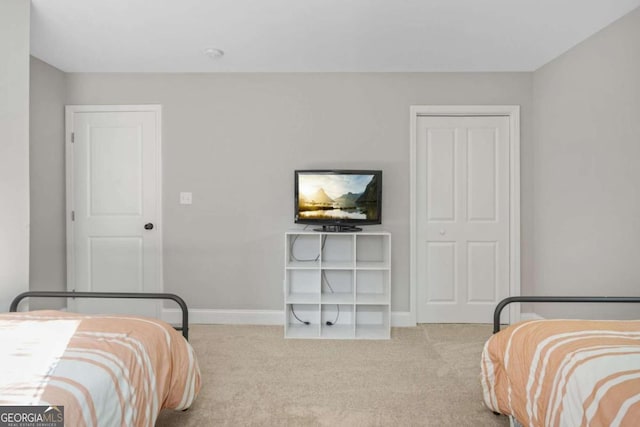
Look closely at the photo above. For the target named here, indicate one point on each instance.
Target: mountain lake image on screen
(336, 196)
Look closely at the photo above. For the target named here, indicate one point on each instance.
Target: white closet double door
(462, 217)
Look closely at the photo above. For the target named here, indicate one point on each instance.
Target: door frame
(70, 110)
(513, 113)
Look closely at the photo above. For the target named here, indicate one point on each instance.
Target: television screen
(338, 197)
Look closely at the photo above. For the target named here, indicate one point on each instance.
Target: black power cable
(323, 279)
(329, 323)
(291, 245)
(297, 318)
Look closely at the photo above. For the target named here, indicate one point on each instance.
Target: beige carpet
(428, 375)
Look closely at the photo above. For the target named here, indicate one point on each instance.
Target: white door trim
(70, 110)
(513, 113)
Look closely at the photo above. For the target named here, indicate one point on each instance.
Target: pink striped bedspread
(565, 373)
(104, 370)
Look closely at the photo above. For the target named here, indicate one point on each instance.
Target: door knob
(442, 232)
(148, 226)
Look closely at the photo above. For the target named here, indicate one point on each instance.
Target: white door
(462, 204)
(114, 218)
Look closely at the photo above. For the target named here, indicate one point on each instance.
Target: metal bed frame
(502, 304)
(131, 295)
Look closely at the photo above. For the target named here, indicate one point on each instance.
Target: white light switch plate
(186, 198)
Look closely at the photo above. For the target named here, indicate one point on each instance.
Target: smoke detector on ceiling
(213, 53)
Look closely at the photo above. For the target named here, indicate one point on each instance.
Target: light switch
(185, 198)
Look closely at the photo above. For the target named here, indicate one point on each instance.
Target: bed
(564, 372)
(103, 370)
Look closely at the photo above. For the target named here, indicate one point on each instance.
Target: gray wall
(234, 140)
(14, 149)
(586, 170)
(47, 174)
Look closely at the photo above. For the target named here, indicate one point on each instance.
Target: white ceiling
(313, 35)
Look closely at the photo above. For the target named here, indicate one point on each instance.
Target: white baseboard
(225, 317)
(401, 319)
(252, 317)
(530, 316)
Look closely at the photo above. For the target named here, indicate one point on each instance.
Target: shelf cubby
(372, 287)
(342, 326)
(372, 321)
(302, 286)
(338, 251)
(373, 252)
(337, 286)
(302, 251)
(294, 328)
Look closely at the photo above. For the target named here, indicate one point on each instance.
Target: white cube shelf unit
(337, 285)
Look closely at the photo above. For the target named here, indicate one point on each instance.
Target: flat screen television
(338, 200)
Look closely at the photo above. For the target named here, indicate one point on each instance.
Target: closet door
(114, 218)
(462, 217)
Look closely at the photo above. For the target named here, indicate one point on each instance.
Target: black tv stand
(338, 229)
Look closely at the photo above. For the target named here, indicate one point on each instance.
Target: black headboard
(502, 304)
(135, 295)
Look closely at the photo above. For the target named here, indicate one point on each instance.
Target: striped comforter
(565, 373)
(104, 370)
